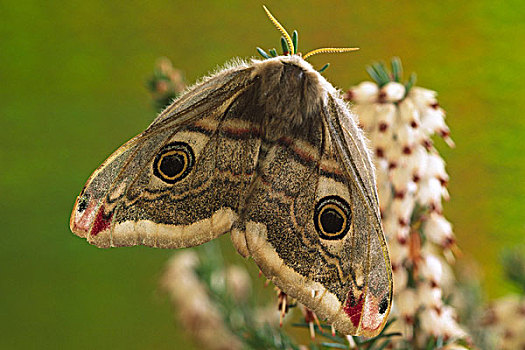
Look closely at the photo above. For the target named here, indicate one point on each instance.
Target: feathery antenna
(330, 50)
(282, 30)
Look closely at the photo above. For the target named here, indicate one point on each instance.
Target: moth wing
(312, 225)
(177, 184)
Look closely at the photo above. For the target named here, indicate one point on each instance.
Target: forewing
(178, 183)
(311, 230)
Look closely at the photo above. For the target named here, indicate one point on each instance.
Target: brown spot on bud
(380, 153)
(349, 95)
(449, 241)
(443, 181)
(392, 165)
(407, 150)
(409, 319)
(383, 127)
(402, 240)
(399, 194)
(416, 178)
(433, 284)
(490, 318)
(427, 143)
(435, 105)
(444, 133)
(521, 310)
(414, 124)
(382, 97)
(437, 309)
(402, 222)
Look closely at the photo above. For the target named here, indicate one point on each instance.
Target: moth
(268, 152)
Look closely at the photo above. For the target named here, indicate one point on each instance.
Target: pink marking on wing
(101, 222)
(354, 308)
(84, 221)
(372, 319)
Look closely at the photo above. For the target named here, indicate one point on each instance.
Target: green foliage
(382, 76)
(513, 261)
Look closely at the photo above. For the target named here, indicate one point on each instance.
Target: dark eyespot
(332, 217)
(174, 162)
(383, 305)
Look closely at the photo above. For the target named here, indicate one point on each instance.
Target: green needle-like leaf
(324, 67)
(397, 69)
(295, 38)
(262, 53)
(284, 45)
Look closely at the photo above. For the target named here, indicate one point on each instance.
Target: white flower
(365, 92)
(430, 192)
(366, 114)
(401, 176)
(431, 269)
(435, 167)
(406, 136)
(400, 278)
(438, 230)
(407, 303)
(430, 322)
(408, 113)
(398, 252)
(385, 116)
(402, 208)
(433, 120)
(392, 92)
(429, 295)
(423, 98)
(448, 324)
(417, 163)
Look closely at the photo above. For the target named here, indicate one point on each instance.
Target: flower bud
(408, 113)
(366, 115)
(365, 92)
(392, 92)
(422, 98)
(439, 230)
(385, 116)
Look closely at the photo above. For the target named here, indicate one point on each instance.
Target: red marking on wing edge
(101, 222)
(354, 308)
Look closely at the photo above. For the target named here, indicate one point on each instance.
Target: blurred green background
(73, 89)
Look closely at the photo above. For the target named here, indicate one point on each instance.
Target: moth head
(289, 44)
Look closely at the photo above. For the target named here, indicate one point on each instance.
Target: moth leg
(238, 237)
